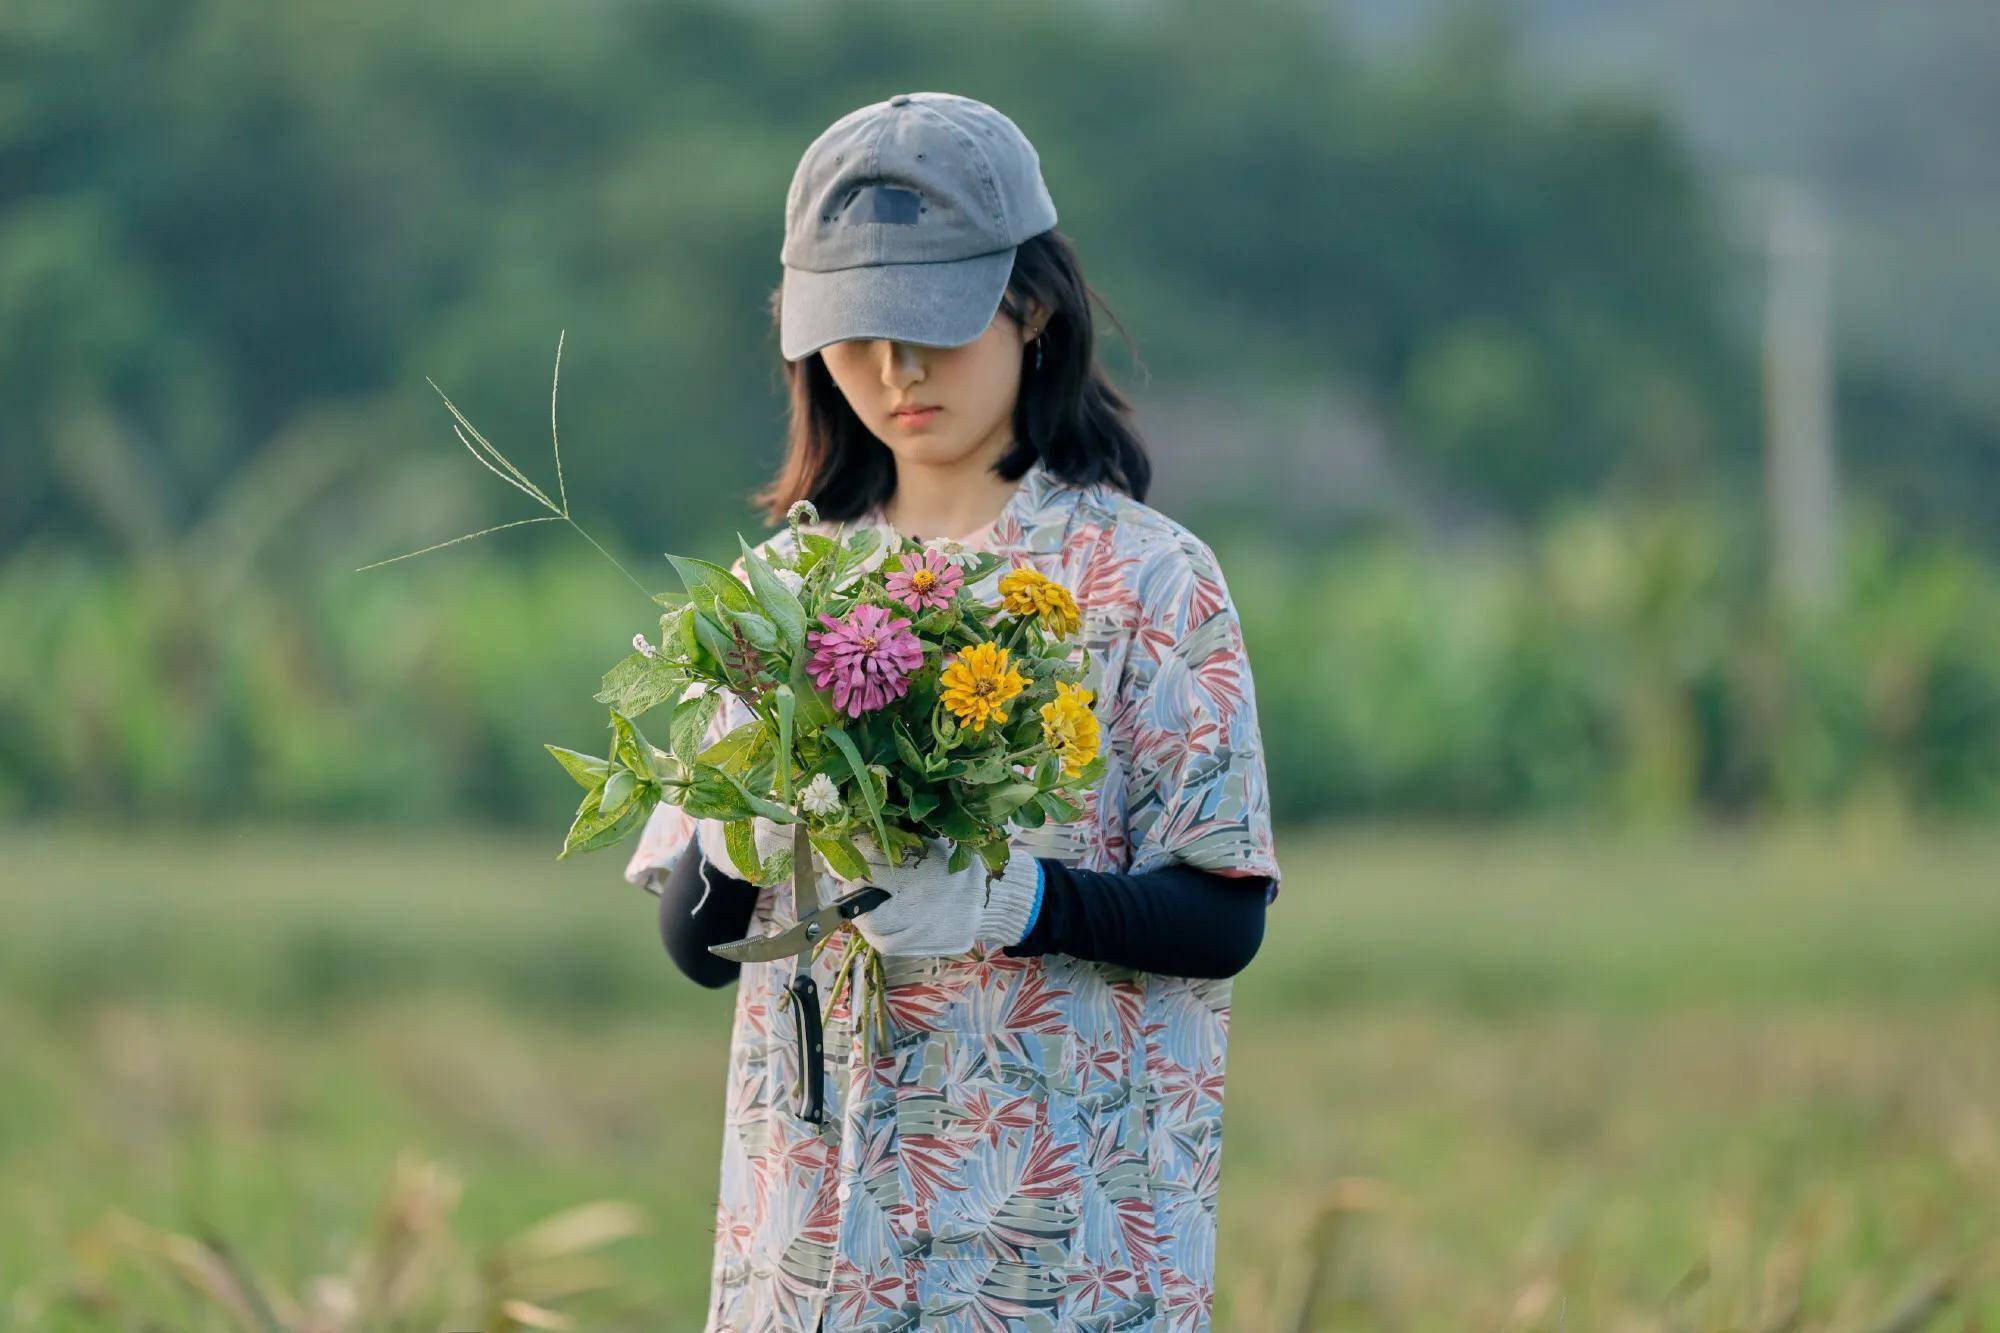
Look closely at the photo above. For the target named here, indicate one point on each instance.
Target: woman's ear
(1033, 322)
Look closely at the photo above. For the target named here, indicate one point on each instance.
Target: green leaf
(1030, 815)
(778, 601)
(1087, 775)
(735, 751)
(715, 640)
(592, 828)
(1004, 800)
(922, 801)
(960, 858)
(842, 855)
(813, 547)
(670, 625)
(763, 635)
(988, 768)
(714, 796)
(906, 749)
(814, 708)
(955, 821)
(664, 767)
(684, 633)
(619, 788)
(995, 853)
(978, 566)
(640, 683)
(708, 583)
(1059, 808)
(588, 770)
(630, 748)
(740, 837)
(937, 622)
(777, 868)
(845, 744)
(757, 802)
(852, 554)
(786, 703)
(860, 544)
(879, 775)
(690, 725)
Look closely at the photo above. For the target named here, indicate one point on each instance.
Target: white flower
(791, 579)
(639, 642)
(947, 547)
(820, 796)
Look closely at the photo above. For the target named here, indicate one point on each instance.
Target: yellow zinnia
(1027, 592)
(978, 684)
(1070, 727)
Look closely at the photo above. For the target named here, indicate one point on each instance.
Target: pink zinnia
(931, 582)
(867, 659)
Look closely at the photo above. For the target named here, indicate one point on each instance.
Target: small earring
(1038, 351)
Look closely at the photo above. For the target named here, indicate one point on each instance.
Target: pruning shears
(815, 921)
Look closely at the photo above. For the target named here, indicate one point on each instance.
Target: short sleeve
(668, 829)
(1186, 726)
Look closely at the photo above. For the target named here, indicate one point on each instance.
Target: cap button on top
(900, 99)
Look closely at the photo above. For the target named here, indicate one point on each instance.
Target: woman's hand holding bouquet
(935, 911)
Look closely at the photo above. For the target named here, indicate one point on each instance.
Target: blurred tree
(215, 215)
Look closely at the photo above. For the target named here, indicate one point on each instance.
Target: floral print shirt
(1040, 1147)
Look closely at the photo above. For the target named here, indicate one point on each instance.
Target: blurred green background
(1590, 404)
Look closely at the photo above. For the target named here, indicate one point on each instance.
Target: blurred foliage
(234, 239)
(1621, 663)
(409, 1272)
(1624, 663)
(218, 218)
(1607, 1079)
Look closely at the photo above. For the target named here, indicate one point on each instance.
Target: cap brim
(943, 304)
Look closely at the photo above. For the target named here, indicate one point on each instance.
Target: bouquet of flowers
(888, 703)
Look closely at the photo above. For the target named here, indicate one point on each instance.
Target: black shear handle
(812, 1064)
(805, 1009)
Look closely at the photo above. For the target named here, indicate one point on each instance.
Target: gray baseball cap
(902, 221)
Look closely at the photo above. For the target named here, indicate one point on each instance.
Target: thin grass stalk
(518, 479)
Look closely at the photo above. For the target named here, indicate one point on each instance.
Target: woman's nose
(903, 364)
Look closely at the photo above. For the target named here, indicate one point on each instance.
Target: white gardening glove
(935, 912)
(769, 837)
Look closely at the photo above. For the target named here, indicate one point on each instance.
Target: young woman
(1040, 1146)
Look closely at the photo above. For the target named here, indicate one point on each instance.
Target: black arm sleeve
(687, 933)
(1177, 919)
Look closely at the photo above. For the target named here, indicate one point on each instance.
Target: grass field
(1528, 1079)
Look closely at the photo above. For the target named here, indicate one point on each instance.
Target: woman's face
(972, 389)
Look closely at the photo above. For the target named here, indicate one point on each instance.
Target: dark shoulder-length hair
(1067, 414)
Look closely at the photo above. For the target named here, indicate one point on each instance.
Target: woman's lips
(918, 417)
